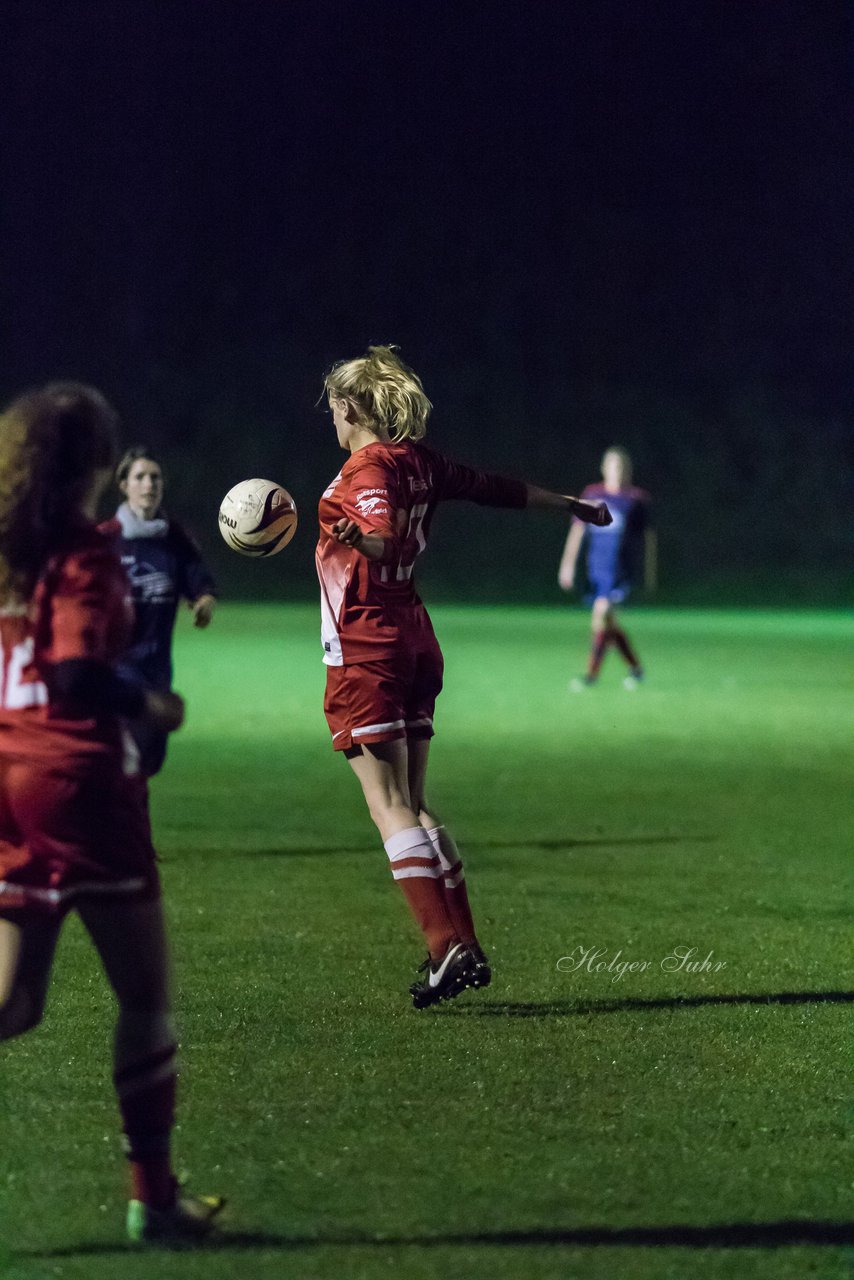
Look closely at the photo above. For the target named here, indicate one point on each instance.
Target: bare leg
(383, 771)
(130, 938)
(131, 941)
(600, 635)
(26, 959)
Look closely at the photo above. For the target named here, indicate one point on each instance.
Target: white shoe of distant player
(580, 684)
(633, 681)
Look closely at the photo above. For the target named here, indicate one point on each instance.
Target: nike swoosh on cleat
(433, 979)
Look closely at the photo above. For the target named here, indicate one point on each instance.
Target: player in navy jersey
(384, 664)
(617, 557)
(74, 829)
(164, 566)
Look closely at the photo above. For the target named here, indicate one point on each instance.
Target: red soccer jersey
(81, 608)
(369, 607)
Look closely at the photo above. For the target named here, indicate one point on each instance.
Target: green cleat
(188, 1222)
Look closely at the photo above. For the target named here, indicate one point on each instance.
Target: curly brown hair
(52, 441)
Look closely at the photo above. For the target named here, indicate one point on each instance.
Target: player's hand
(164, 710)
(203, 610)
(591, 512)
(566, 579)
(347, 531)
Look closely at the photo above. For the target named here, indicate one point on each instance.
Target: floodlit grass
(568, 1122)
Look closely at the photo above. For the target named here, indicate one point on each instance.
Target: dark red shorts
(71, 834)
(383, 700)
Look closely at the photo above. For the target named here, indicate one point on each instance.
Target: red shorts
(69, 833)
(383, 700)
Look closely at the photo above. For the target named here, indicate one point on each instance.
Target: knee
(383, 804)
(601, 616)
(425, 816)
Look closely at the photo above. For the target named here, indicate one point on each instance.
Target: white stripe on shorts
(377, 728)
(53, 897)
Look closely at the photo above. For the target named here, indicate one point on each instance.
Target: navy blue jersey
(615, 552)
(164, 566)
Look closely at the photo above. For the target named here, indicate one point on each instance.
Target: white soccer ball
(257, 518)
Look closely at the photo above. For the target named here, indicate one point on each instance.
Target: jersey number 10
(412, 544)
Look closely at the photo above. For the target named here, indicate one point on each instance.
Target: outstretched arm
(373, 546)
(589, 512)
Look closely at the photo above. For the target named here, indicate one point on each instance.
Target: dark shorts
(151, 742)
(616, 590)
(383, 700)
(72, 833)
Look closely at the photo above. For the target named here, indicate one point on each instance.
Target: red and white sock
(415, 866)
(454, 883)
(146, 1091)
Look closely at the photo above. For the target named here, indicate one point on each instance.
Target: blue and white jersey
(164, 566)
(615, 552)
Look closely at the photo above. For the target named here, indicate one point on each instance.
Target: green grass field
(565, 1123)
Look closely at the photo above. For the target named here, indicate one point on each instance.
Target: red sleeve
(86, 607)
(372, 499)
(456, 480)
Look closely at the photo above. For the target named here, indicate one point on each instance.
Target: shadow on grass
(549, 843)
(730, 1235)
(574, 1008)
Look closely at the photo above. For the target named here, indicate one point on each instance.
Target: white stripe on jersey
(332, 590)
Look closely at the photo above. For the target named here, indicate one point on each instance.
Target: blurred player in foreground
(615, 557)
(384, 664)
(74, 828)
(164, 566)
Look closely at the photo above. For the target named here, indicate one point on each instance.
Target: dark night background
(584, 223)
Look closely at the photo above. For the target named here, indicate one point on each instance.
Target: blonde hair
(386, 394)
(52, 442)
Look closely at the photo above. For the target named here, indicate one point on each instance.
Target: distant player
(74, 829)
(164, 566)
(616, 558)
(384, 664)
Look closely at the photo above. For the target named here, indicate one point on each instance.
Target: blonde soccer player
(384, 664)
